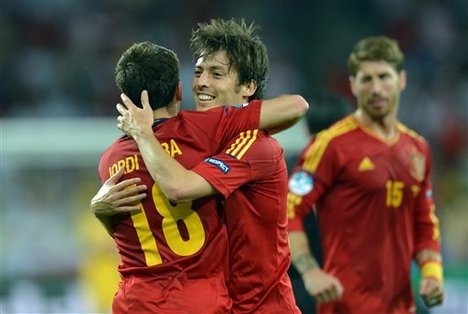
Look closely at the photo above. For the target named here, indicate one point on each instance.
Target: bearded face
(377, 87)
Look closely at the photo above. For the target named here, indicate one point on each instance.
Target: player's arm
(428, 256)
(304, 192)
(427, 242)
(320, 285)
(431, 283)
(116, 197)
(280, 113)
(176, 182)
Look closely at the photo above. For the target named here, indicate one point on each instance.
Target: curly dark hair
(148, 66)
(246, 51)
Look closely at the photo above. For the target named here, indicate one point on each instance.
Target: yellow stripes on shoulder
(317, 149)
(242, 143)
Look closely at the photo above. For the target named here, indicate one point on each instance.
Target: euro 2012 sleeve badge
(301, 183)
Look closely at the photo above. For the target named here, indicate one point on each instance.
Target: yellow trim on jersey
(404, 129)
(242, 144)
(435, 223)
(292, 201)
(367, 129)
(317, 149)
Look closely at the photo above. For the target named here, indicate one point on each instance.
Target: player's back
(173, 257)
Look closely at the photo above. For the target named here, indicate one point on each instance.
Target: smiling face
(214, 83)
(377, 87)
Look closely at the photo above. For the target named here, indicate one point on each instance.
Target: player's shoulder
(338, 129)
(107, 154)
(331, 139)
(117, 145)
(208, 117)
(411, 134)
(189, 115)
(254, 144)
(200, 122)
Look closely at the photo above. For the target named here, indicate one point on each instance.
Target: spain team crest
(418, 165)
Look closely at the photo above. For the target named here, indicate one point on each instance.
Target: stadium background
(57, 98)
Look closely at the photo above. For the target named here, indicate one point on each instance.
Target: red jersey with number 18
(178, 252)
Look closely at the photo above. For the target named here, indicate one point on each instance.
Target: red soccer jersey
(375, 210)
(184, 243)
(252, 174)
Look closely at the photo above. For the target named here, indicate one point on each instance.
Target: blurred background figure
(57, 112)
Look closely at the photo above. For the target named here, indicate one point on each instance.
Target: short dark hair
(379, 48)
(246, 52)
(148, 66)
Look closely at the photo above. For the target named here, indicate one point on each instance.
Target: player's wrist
(432, 269)
(143, 134)
(305, 263)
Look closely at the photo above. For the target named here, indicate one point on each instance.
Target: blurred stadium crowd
(57, 60)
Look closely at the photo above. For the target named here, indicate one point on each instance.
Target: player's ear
(178, 92)
(402, 79)
(249, 89)
(352, 80)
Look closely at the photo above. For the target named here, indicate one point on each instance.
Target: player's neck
(166, 112)
(385, 127)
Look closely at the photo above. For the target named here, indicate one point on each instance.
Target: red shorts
(137, 294)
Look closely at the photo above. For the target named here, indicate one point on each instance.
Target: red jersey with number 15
(375, 211)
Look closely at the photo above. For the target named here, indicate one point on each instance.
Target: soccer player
(255, 188)
(368, 177)
(174, 256)
(250, 172)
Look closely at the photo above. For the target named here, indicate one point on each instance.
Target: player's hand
(322, 286)
(431, 291)
(134, 121)
(115, 198)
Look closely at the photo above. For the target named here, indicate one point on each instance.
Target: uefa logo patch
(429, 194)
(301, 183)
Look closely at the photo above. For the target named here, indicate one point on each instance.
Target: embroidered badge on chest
(417, 165)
